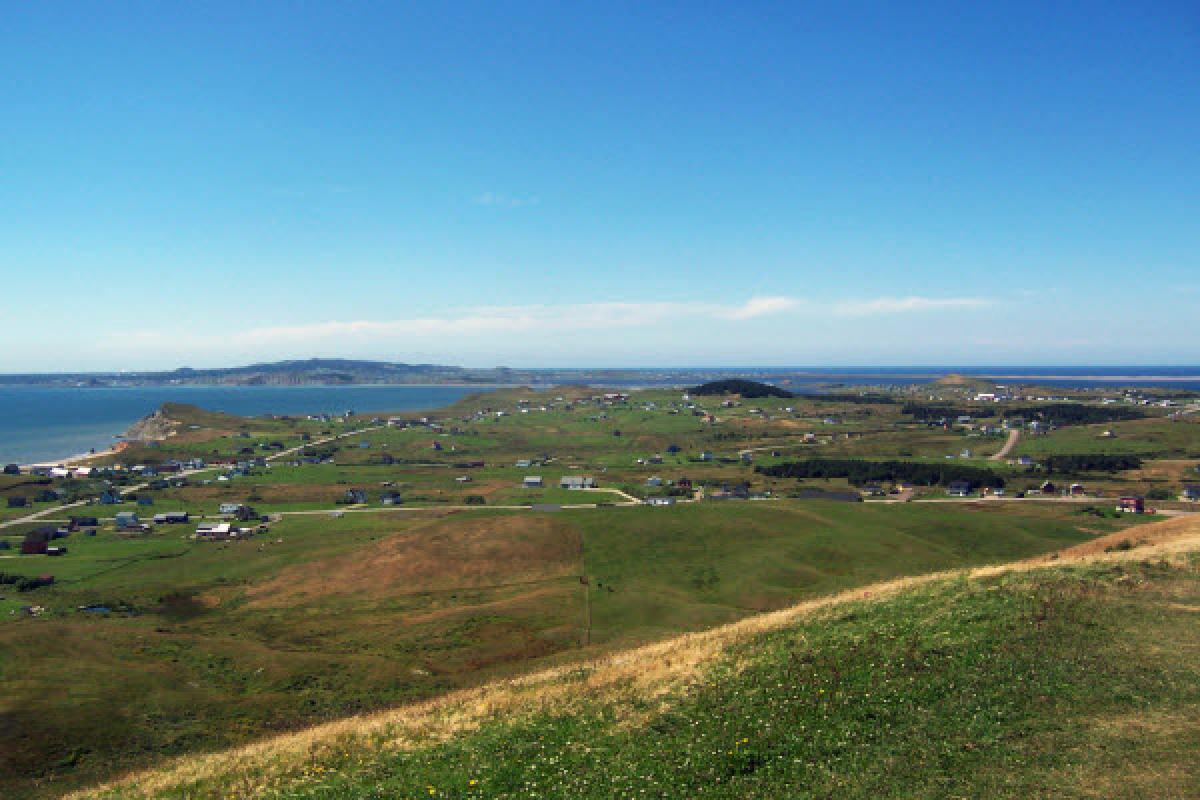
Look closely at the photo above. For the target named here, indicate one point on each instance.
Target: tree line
(859, 471)
(1075, 413)
(1089, 462)
(934, 412)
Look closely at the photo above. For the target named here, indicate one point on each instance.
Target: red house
(1131, 505)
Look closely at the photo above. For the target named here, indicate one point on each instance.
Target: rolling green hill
(209, 645)
(1072, 678)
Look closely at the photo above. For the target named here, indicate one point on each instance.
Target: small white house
(532, 482)
(213, 530)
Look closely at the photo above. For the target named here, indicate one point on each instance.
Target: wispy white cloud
(466, 325)
(903, 305)
(760, 306)
(496, 200)
(515, 326)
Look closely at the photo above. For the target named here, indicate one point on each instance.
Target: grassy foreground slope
(1069, 677)
(211, 645)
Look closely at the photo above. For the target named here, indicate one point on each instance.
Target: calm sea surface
(42, 423)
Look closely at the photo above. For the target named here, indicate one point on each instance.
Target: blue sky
(594, 184)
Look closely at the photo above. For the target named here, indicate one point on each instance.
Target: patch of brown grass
(1152, 533)
(458, 554)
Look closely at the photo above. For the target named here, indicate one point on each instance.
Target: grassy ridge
(1045, 683)
(225, 643)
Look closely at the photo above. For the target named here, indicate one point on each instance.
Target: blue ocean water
(42, 423)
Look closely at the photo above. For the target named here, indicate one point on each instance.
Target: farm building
(171, 518)
(391, 499)
(36, 541)
(532, 482)
(959, 489)
(577, 482)
(660, 501)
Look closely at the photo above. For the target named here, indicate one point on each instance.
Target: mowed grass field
(207, 645)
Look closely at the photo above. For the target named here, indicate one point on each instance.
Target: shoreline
(77, 460)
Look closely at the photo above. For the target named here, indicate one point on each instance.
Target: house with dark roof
(577, 482)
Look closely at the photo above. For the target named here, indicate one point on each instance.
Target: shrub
(1089, 462)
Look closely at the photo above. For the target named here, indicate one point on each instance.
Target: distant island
(320, 371)
(358, 372)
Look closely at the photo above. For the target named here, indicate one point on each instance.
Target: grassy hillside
(209, 645)
(1080, 679)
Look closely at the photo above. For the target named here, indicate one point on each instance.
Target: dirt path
(1013, 436)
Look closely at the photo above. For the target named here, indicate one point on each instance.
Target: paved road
(1013, 436)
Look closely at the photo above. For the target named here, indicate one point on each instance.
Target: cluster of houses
(38, 541)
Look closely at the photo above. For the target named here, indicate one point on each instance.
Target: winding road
(1013, 436)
